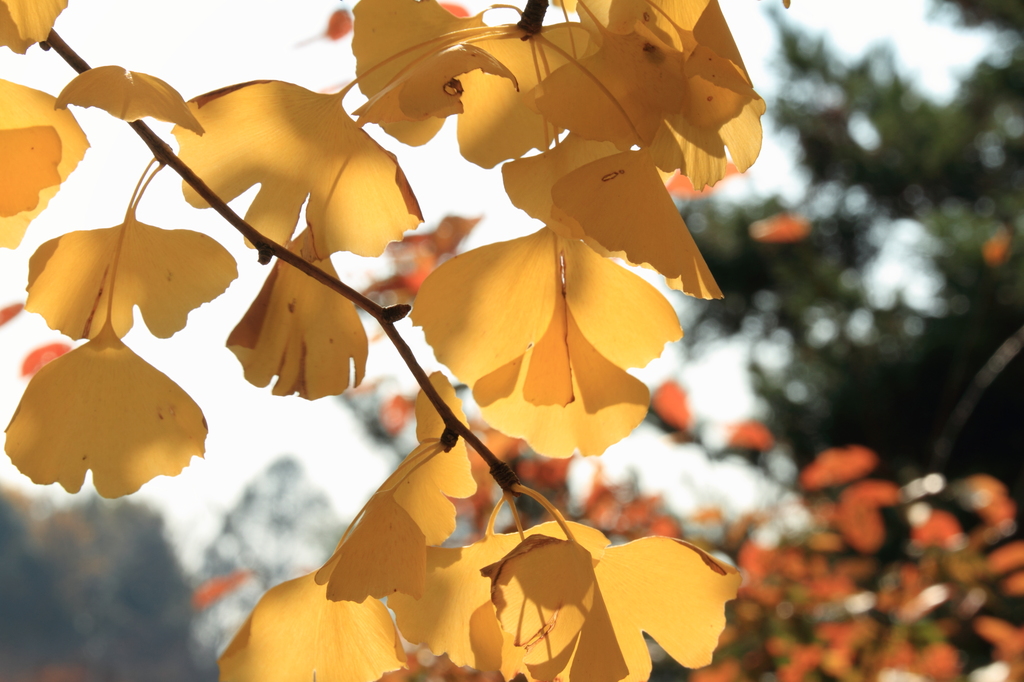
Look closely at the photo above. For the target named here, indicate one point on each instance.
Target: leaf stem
(550, 508)
(268, 249)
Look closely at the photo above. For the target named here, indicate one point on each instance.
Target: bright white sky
(201, 45)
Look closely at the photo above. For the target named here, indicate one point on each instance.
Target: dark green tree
(911, 379)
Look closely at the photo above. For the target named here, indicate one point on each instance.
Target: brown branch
(267, 249)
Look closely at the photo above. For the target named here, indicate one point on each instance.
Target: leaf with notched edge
(431, 88)
(167, 273)
(102, 407)
(544, 337)
(299, 145)
(384, 551)
(34, 164)
(455, 614)
(128, 95)
(302, 332)
(580, 614)
(295, 633)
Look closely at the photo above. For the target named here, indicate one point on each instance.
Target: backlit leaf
(385, 550)
(296, 634)
(129, 96)
(102, 407)
(680, 187)
(543, 593)
(544, 337)
(431, 87)
(399, 32)
(358, 197)
(302, 332)
(26, 22)
(620, 93)
(671, 590)
(457, 595)
(384, 553)
(528, 181)
(455, 614)
(28, 166)
(167, 273)
(500, 122)
(31, 112)
(621, 202)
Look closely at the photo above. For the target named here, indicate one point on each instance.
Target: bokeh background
(846, 426)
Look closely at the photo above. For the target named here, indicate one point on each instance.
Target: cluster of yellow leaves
(543, 328)
(101, 407)
(137, 423)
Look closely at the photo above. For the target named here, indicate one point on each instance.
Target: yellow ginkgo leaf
(665, 18)
(128, 95)
(667, 76)
(302, 332)
(28, 166)
(428, 422)
(296, 633)
(102, 407)
(546, 595)
(528, 181)
(298, 144)
(561, 325)
(431, 87)
(24, 109)
(671, 590)
(607, 402)
(485, 308)
(699, 153)
(621, 202)
(26, 22)
(499, 122)
(384, 550)
(167, 273)
(620, 93)
(392, 34)
(455, 614)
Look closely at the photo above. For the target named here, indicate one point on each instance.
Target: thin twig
(1006, 352)
(267, 249)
